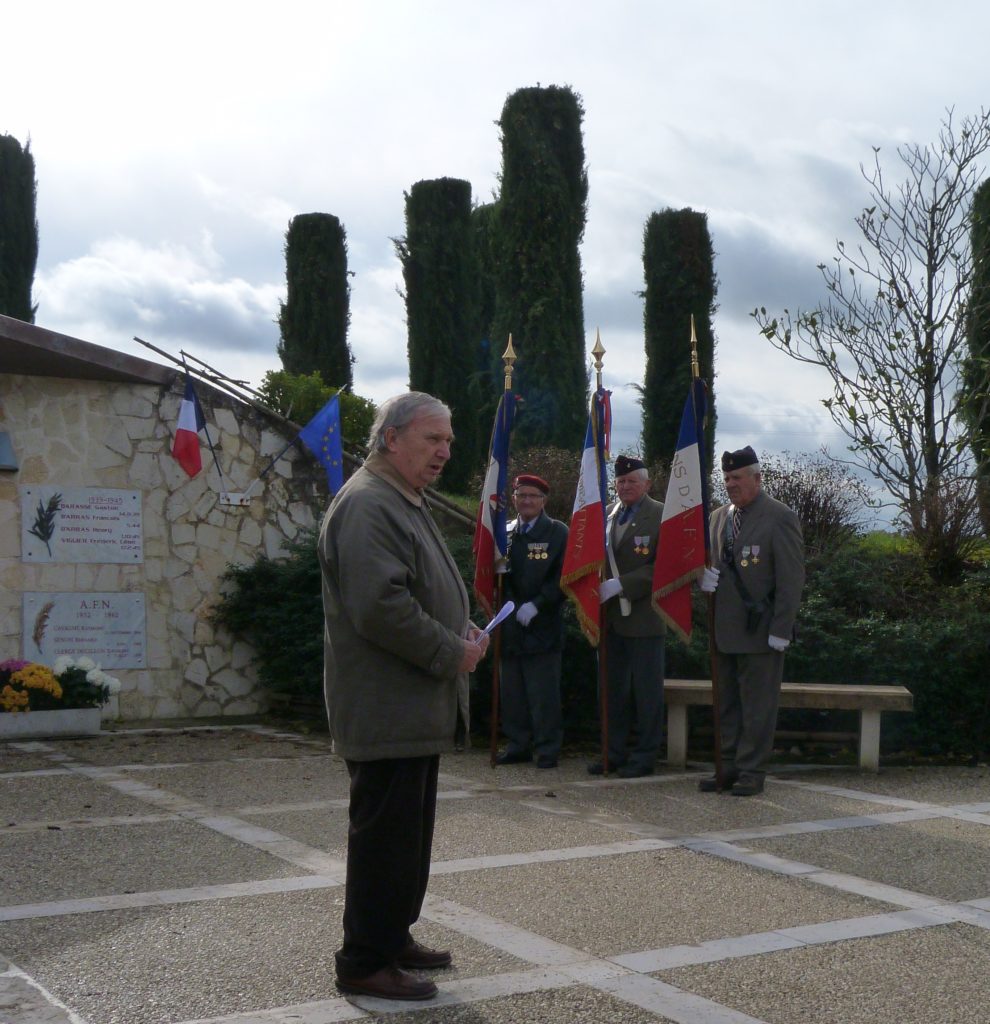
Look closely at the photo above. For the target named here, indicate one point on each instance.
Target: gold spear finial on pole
(508, 358)
(695, 366)
(598, 351)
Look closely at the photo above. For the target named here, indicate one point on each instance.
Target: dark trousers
(392, 812)
(748, 695)
(531, 717)
(635, 695)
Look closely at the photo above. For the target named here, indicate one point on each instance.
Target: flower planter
(32, 725)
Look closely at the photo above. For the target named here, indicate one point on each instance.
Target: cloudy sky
(174, 142)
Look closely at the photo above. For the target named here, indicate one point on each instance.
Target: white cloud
(172, 150)
(176, 295)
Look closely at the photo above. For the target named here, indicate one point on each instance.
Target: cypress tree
(539, 223)
(441, 293)
(18, 229)
(313, 320)
(976, 377)
(678, 265)
(486, 383)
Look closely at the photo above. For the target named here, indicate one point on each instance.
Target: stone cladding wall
(80, 433)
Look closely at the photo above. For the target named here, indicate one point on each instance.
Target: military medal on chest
(756, 554)
(538, 550)
(744, 561)
(642, 545)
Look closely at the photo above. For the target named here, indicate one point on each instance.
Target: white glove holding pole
(608, 589)
(526, 613)
(709, 579)
(778, 643)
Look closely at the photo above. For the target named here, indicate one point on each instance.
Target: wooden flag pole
(712, 653)
(508, 358)
(598, 352)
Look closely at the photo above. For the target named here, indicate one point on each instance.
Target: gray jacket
(395, 609)
(769, 554)
(635, 555)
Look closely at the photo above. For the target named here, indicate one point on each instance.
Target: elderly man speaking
(398, 645)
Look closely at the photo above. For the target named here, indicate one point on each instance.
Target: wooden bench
(869, 701)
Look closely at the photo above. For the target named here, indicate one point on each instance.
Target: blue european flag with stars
(322, 437)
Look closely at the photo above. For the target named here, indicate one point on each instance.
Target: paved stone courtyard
(194, 875)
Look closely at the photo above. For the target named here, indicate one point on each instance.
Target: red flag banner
(584, 556)
(185, 444)
(683, 546)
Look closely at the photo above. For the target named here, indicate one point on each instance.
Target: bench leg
(869, 740)
(677, 735)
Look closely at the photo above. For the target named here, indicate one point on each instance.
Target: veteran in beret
(634, 633)
(757, 575)
(533, 639)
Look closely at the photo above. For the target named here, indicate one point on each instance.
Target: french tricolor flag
(490, 539)
(185, 446)
(584, 555)
(683, 547)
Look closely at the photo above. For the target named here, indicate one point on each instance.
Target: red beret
(534, 481)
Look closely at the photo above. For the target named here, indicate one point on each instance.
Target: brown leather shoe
(416, 957)
(388, 983)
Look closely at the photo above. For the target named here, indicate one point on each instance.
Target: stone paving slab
(119, 748)
(676, 806)
(577, 1005)
(13, 759)
(470, 826)
(646, 900)
(559, 894)
(945, 858)
(227, 786)
(54, 798)
(223, 957)
(73, 864)
(940, 785)
(934, 976)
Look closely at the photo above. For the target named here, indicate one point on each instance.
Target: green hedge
(870, 614)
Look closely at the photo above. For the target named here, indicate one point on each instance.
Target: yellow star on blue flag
(322, 437)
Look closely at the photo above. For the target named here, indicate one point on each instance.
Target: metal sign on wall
(81, 524)
(109, 628)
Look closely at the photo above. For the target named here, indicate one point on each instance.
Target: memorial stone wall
(97, 446)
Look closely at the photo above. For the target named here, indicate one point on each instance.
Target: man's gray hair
(640, 474)
(399, 411)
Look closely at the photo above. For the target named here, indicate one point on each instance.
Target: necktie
(625, 515)
(525, 527)
(736, 522)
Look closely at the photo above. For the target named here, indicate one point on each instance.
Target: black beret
(736, 460)
(628, 464)
(533, 481)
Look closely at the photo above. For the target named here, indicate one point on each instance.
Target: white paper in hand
(503, 613)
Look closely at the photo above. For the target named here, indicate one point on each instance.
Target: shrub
(301, 396)
(277, 606)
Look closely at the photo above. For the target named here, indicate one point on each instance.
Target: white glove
(709, 579)
(526, 613)
(777, 643)
(608, 589)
